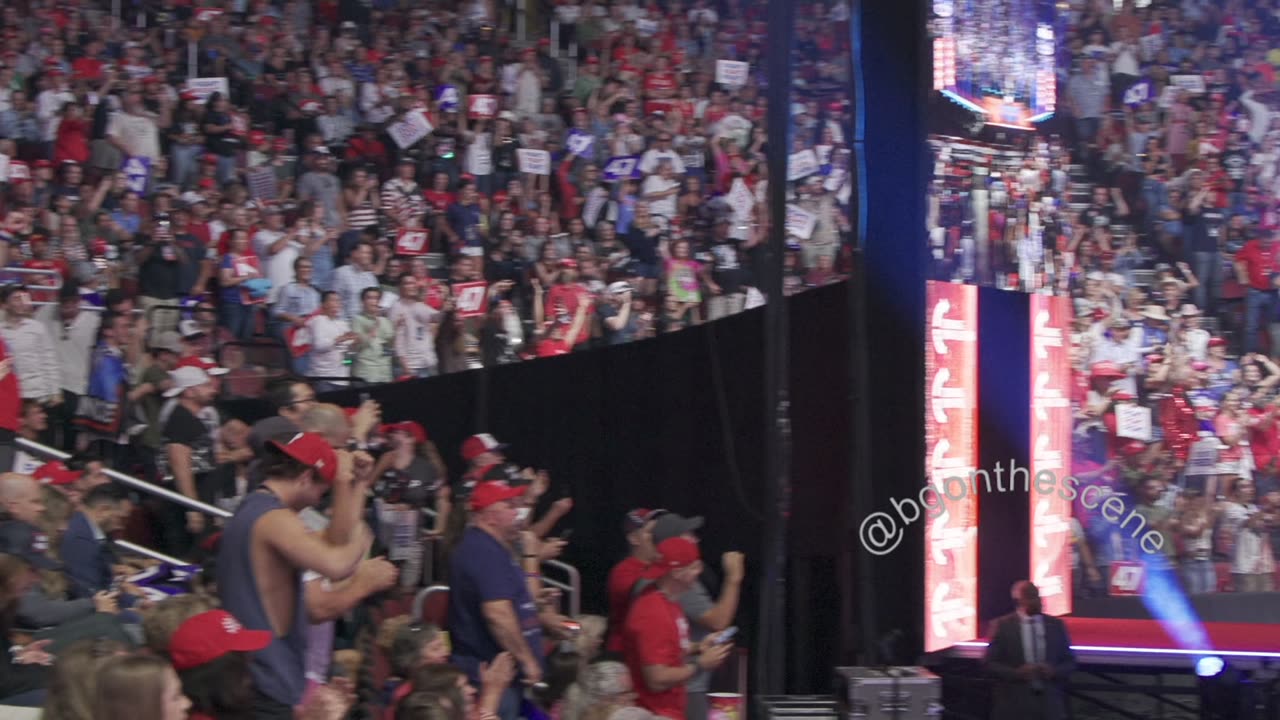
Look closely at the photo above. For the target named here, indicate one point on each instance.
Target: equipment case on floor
(893, 693)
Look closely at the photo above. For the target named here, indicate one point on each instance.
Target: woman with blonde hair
(139, 687)
(74, 685)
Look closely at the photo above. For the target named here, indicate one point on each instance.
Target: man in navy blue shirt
(490, 608)
(86, 548)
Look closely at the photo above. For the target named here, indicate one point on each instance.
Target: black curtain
(675, 422)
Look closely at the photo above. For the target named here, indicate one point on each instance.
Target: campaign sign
(1191, 83)
(580, 142)
(471, 298)
(801, 165)
(413, 241)
(534, 162)
(137, 172)
(732, 73)
(622, 168)
(1138, 93)
(410, 129)
(482, 107)
(1133, 422)
(447, 98)
(800, 222)
(202, 88)
(1127, 578)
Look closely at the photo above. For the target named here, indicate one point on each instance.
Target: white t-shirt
(280, 268)
(327, 355)
(415, 342)
(666, 206)
(138, 134)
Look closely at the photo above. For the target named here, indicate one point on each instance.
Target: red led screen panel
(951, 436)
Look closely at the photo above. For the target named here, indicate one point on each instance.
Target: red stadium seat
(431, 605)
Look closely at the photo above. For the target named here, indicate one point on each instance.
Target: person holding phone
(656, 643)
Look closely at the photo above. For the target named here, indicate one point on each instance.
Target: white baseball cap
(185, 378)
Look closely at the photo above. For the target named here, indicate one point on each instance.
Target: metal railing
(129, 481)
(571, 587)
(147, 552)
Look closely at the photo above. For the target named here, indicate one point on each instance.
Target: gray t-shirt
(695, 603)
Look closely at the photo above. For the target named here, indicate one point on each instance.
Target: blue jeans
(1199, 576)
(238, 318)
(1257, 310)
(512, 697)
(1208, 269)
(183, 166)
(226, 169)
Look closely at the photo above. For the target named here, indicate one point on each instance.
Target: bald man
(1029, 654)
(326, 600)
(20, 535)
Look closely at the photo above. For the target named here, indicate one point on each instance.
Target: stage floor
(1104, 641)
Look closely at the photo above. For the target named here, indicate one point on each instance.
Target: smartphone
(727, 635)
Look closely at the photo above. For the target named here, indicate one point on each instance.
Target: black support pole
(770, 655)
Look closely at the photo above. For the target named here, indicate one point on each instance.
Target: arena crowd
(201, 201)
(1150, 201)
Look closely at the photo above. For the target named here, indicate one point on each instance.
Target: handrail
(147, 552)
(571, 586)
(574, 586)
(127, 480)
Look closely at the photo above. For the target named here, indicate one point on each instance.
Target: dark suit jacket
(87, 560)
(1014, 698)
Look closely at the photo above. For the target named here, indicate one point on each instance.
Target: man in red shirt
(638, 529)
(10, 408)
(1257, 266)
(656, 635)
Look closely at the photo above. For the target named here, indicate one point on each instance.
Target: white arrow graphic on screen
(1045, 398)
(938, 617)
(1044, 458)
(1044, 337)
(945, 328)
(1047, 523)
(943, 398)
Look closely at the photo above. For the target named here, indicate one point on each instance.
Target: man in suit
(86, 551)
(1029, 654)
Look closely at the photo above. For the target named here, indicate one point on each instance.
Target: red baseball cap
(208, 636)
(1133, 447)
(638, 518)
(673, 554)
(493, 491)
(209, 367)
(311, 450)
(569, 263)
(41, 164)
(56, 473)
(408, 427)
(1217, 342)
(477, 445)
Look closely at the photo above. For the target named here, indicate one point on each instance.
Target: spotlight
(1207, 667)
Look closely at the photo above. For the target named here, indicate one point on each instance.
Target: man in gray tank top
(266, 548)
